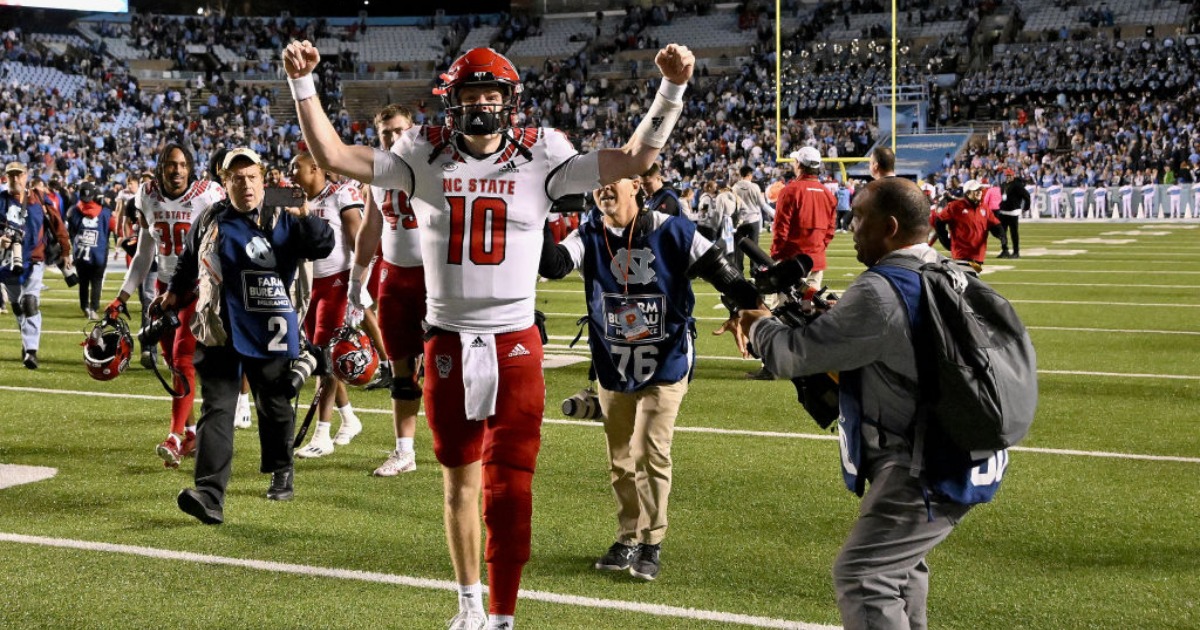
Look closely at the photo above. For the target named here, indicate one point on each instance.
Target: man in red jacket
(805, 221)
(805, 216)
(968, 223)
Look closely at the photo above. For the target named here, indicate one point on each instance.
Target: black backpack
(976, 364)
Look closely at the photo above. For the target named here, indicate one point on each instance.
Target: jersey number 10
(484, 236)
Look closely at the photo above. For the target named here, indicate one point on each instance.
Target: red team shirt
(968, 229)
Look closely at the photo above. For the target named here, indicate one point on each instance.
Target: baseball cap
(972, 185)
(87, 191)
(808, 156)
(242, 152)
(14, 166)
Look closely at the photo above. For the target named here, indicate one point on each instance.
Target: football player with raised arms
(166, 207)
(400, 296)
(339, 205)
(482, 190)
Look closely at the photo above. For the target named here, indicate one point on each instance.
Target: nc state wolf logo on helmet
(353, 359)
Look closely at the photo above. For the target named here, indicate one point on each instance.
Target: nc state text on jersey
(479, 185)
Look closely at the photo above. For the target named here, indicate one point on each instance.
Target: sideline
(679, 429)
(660, 610)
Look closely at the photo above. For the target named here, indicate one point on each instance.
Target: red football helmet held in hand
(352, 358)
(107, 349)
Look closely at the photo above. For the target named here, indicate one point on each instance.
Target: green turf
(1072, 541)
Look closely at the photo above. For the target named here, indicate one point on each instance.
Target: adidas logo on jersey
(510, 168)
(478, 343)
(338, 282)
(518, 351)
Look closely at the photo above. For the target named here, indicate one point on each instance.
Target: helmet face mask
(107, 349)
(487, 69)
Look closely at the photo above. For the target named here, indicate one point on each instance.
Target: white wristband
(659, 120)
(357, 271)
(302, 88)
(672, 91)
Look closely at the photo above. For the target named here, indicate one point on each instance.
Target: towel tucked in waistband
(481, 374)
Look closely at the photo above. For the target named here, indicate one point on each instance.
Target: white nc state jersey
(481, 219)
(329, 205)
(400, 241)
(170, 220)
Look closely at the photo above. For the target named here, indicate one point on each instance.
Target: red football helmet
(480, 66)
(352, 358)
(107, 349)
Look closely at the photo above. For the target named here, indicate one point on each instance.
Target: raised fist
(300, 58)
(676, 63)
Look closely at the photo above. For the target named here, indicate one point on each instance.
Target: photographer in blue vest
(637, 268)
(239, 262)
(908, 473)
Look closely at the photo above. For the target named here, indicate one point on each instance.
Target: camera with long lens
(12, 226)
(161, 322)
(583, 405)
(800, 304)
(310, 362)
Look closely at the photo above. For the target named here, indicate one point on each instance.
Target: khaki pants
(639, 427)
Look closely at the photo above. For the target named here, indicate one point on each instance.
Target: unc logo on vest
(639, 261)
(260, 252)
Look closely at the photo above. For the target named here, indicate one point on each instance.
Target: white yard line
(687, 429)
(659, 610)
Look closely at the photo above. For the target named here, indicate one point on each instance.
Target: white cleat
(350, 428)
(241, 416)
(318, 446)
(397, 463)
(469, 620)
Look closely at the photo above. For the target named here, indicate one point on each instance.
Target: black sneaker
(1015, 256)
(618, 558)
(30, 359)
(195, 504)
(646, 564)
(383, 378)
(281, 485)
(761, 375)
(1004, 254)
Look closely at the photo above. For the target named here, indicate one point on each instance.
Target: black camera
(583, 405)
(311, 362)
(800, 303)
(162, 321)
(69, 273)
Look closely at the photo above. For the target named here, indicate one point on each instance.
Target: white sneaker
(350, 428)
(241, 416)
(318, 446)
(397, 463)
(473, 619)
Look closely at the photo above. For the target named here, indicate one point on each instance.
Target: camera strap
(308, 417)
(187, 388)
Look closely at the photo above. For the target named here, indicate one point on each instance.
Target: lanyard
(628, 251)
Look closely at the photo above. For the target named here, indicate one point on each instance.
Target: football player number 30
(482, 235)
(171, 237)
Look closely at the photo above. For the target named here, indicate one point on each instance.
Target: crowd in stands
(1069, 114)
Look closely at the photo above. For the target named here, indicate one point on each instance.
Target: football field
(1096, 526)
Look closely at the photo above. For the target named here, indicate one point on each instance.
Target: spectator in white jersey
(482, 190)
